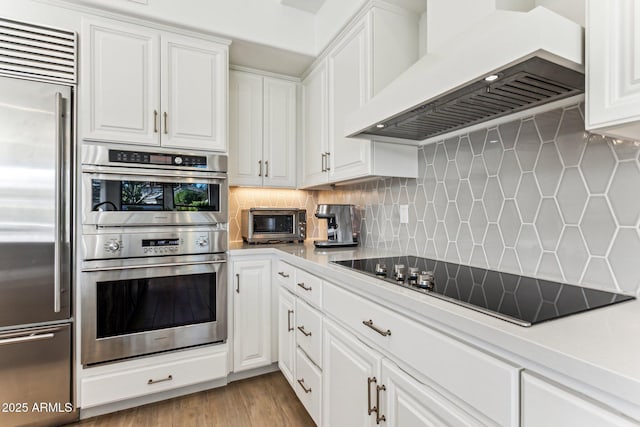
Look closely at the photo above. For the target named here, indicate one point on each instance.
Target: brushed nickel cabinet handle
(327, 154)
(370, 380)
(237, 283)
(166, 128)
(259, 167)
(378, 416)
(301, 382)
(289, 327)
(301, 284)
(283, 274)
(323, 162)
(301, 329)
(155, 121)
(266, 167)
(370, 324)
(151, 381)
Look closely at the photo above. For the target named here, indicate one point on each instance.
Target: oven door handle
(153, 173)
(168, 264)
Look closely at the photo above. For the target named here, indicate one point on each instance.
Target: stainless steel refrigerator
(35, 253)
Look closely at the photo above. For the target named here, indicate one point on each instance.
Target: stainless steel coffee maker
(343, 225)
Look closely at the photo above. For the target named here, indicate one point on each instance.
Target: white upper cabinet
(143, 86)
(360, 62)
(613, 68)
(262, 133)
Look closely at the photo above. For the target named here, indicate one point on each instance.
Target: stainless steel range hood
(535, 57)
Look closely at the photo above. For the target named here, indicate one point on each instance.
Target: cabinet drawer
(125, 384)
(309, 288)
(308, 385)
(286, 275)
(458, 368)
(309, 331)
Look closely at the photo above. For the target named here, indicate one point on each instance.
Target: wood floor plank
(264, 401)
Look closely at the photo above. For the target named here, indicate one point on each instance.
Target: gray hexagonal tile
(441, 240)
(547, 124)
(509, 262)
(493, 246)
(452, 221)
(452, 253)
(420, 202)
(623, 185)
(509, 133)
(623, 259)
(626, 150)
(477, 177)
(598, 225)
(509, 174)
(493, 199)
(598, 274)
(464, 200)
(465, 242)
(478, 222)
(440, 161)
(598, 164)
(477, 139)
(548, 169)
(529, 249)
(549, 224)
(451, 180)
(572, 254)
(420, 235)
(478, 257)
(492, 152)
(572, 195)
(464, 157)
(412, 188)
(429, 183)
(528, 197)
(440, 201)
(509, 223)
(528, 145)
(429, 152)
(571, 140)
(451, 147)
(549, 268)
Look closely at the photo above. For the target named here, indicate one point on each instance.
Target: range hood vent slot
(525, 85)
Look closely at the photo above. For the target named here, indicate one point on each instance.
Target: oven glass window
(115, 195)
(139, 305)
(273, 224)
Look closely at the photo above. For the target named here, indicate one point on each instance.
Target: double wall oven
(154, 242)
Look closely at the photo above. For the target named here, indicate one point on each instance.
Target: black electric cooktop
(522, 300)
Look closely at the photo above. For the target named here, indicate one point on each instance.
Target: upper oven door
(121, 197)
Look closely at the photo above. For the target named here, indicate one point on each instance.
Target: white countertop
(599, 348)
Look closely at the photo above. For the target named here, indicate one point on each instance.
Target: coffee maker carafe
(343, 225)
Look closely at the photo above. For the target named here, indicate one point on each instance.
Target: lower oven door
(134, 310)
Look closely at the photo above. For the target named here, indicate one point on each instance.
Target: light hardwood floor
(264, 401)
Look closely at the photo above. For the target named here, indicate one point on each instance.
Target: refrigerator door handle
(59, 215)
(26, 338)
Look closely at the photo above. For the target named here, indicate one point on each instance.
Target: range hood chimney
(507, 62)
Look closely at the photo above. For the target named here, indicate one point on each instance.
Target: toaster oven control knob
(202, 242)
(177, 160)
(113, 246)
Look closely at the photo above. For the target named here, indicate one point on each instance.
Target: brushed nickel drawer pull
(301, 329)
(323, 161)
(370, 380)
(378, 416)
(260, 167)
(238, 284)
(266, 166)
(327, 154)
(301, 284)
(283, 274)
(169, 378)
(370, 324)
(301, 382)
(166, 119)
(289, 313)
(155, 121)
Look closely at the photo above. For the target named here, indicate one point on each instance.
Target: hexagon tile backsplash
(536, 196)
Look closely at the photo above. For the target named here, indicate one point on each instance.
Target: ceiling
(311, 6)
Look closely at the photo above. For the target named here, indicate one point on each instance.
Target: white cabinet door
(251, 313)
(613, 68)
(349, 80)
(194, 94)
(120, 94)
(544, 404)
(245, 129)
(406, 402)
(279, 133)
(351, 370)
(286, 334)
(314, 127)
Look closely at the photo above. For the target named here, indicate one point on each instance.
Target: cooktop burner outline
(522, 300)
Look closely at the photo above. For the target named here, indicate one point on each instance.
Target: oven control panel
(151, 244)
(141, 157)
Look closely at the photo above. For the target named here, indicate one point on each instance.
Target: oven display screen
(159, 159)
(160, 242)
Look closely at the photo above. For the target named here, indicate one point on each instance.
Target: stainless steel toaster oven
(273, 225)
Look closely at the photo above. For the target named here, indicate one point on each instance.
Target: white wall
(331, 18)
(572, 9)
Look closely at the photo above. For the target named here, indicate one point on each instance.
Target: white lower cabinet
(308, 385)
(251, 289)
(286, 334)
(550, 405)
